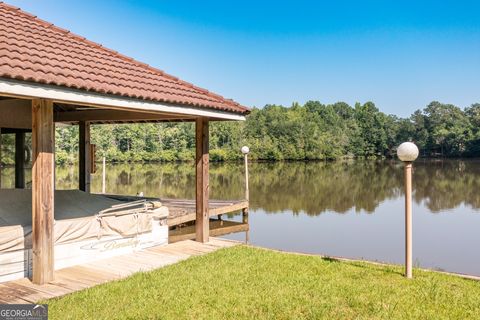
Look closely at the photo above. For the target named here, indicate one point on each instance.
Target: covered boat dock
(49, 76)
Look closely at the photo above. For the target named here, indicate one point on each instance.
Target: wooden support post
(245, 215)
(245, 220)
(408, 220)
(202, 187)
(42, 191)
(1, 158)
(93, 154)
(20, 160)
(104, 174)
(84, 154)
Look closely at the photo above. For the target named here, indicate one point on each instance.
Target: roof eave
(31, 90)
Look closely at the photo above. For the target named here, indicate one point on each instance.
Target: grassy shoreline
(244, 282)
(374, 262)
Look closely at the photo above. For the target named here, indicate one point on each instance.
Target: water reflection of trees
(362, 185)
(168, 180)
(312, 187)
(318, 187)
(447, 184)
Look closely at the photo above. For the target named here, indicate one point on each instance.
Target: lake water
(347, 209)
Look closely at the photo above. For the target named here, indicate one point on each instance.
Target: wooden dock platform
(183, 210)
(87, 275)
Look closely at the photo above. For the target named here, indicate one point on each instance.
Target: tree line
(313, 131)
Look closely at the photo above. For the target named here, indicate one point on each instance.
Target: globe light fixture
(245, 150)
(408, 152)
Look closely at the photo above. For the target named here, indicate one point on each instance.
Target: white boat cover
(76, 218)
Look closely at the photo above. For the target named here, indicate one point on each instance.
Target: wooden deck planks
(87, 275)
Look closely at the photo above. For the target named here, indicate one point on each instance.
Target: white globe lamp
(407, 152)
(245, 150)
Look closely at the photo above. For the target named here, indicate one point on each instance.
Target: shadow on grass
(331, 259)
(378, 268)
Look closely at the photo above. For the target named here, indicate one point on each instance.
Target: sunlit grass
(249, 283)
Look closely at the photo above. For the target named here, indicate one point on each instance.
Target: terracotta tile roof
(37, 51)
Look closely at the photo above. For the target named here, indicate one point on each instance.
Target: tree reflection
(447, 184)
(299, 187)
(314, 188)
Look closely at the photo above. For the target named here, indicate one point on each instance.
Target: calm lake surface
(348, 209)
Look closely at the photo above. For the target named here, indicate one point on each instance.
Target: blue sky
(399, 54)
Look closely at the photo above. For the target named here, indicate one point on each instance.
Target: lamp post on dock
(246, 151)
(408, 152)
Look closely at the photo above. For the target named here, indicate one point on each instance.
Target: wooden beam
(215, 208)
(16, 113)
(20, 160)
(115, 115)
(84, 156)
(218, 228)
(227, 209)
(42, 191)
(26, 89)
(15, 130)
(202, 186)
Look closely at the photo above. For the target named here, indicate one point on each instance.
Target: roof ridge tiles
(9, 6)
(76, 36)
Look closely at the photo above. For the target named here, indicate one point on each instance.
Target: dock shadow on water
(352, 209)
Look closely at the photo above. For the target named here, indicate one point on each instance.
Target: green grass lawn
(249, 283)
